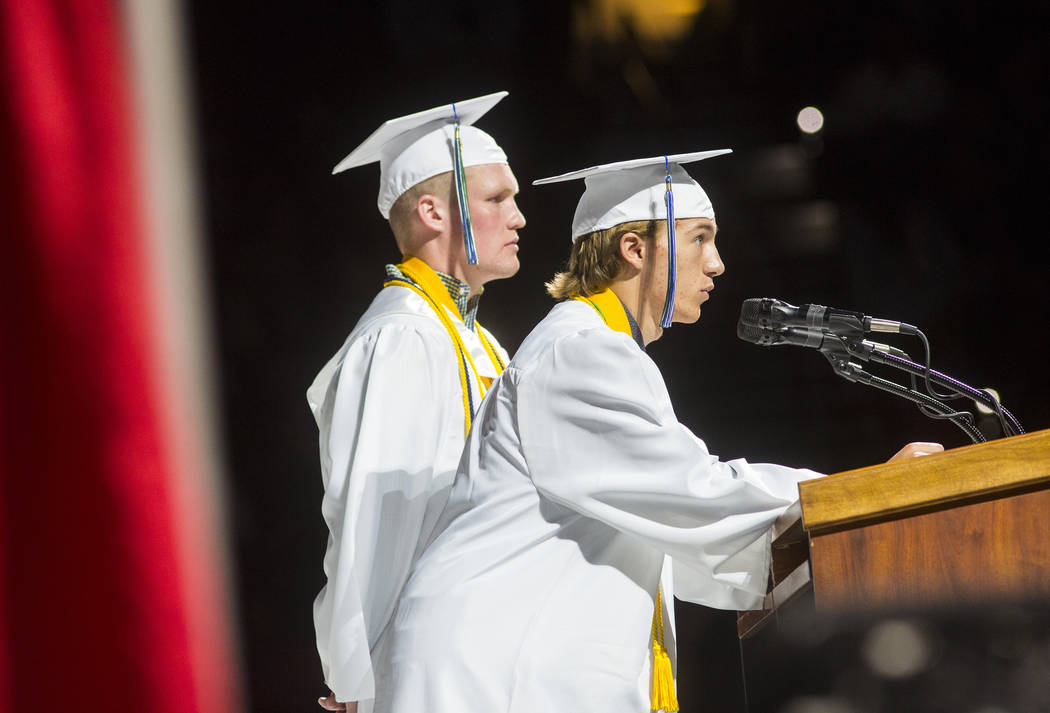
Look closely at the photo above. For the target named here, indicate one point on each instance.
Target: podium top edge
(959, 474)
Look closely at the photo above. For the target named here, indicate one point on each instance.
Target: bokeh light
(810, 120)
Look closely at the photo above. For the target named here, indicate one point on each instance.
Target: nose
(517, 218)
(714, 266)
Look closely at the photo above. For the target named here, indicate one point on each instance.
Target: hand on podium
(329, 703)
(916, 450)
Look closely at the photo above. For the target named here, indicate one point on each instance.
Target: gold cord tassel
(662, 697)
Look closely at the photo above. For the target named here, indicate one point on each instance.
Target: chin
(503, 270)
(690, 317)
(509, 268)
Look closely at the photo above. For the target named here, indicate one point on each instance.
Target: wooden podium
(968, 525)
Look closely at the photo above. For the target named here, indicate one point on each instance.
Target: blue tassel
(672, 265)
(460, 176)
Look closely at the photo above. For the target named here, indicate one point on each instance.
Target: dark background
(923, 200)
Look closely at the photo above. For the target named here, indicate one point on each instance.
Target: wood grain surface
(943, 480)
(987, 551)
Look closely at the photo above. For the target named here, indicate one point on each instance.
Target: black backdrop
(922, 200)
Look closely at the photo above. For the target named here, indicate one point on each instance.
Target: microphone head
(750, 311)
(765, 312)
(757, 335)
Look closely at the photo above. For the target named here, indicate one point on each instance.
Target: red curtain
(92, 614)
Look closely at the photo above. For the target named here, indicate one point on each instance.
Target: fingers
(924, 449)
(916, 450)
(329, 703)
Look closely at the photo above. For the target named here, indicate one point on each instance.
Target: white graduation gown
(389, 408)
(576, 485)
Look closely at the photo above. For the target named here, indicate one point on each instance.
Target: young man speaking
(582, 506)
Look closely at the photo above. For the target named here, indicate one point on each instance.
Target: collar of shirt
(458, 290)
(636, 331)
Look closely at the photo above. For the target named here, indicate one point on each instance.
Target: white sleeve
(600, 437)
(391, 430)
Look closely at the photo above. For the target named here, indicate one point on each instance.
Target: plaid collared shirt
(458, 290)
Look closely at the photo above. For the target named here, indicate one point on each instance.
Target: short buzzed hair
(405, 206)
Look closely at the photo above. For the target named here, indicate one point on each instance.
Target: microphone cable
(1007, 421)
(855, 373)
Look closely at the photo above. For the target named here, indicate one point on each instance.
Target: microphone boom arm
(890, 356)
(1011, 426)
(842, 366)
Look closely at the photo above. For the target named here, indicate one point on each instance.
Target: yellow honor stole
(662, 696)
(424, 282)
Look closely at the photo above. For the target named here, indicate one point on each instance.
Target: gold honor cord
(494, 356)
(428, 286)
(457, 344)
(662, 696)
(424, 276)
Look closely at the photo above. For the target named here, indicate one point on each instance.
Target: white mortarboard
(413, 148)
(635, 190)
(655, 188)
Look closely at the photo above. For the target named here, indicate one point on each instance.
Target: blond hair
(404, 208)
(595, 260)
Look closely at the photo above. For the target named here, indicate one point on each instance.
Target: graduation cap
(655, 188)
(410, 149)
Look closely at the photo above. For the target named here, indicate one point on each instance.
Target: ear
(632, 249)
(433, 212)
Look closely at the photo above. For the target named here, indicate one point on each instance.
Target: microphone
(767, 337)
(814, 339)
(836, 333)
(769, 313)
